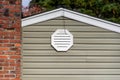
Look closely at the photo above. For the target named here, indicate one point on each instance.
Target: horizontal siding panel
(70, 52)
(71, 59)
(72, 77)
(61, 18)
(71, 71)
(60, 22)
(71, 65)
(75, 34)
(75, 46)
(70, 28)
(87, 77)
(76, 40)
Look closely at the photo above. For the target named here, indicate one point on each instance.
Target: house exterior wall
(95, 54)
(10, 39)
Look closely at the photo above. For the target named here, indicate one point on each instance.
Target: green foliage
(105, 9)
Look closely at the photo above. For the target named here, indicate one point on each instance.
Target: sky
(25, 3)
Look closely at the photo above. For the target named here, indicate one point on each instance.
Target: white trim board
(72, 15)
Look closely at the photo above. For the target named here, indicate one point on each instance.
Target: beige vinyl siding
(95, 54)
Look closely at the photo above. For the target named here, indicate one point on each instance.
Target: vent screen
(62, 40)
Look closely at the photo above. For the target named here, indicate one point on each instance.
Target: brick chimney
(10, 39)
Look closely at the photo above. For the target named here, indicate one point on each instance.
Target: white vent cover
(61, 39)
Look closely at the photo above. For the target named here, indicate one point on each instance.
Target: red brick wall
(10, 39)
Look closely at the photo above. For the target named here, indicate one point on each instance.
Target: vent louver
(62, 40)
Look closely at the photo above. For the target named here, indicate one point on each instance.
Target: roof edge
(72, 15)
(42, 17)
